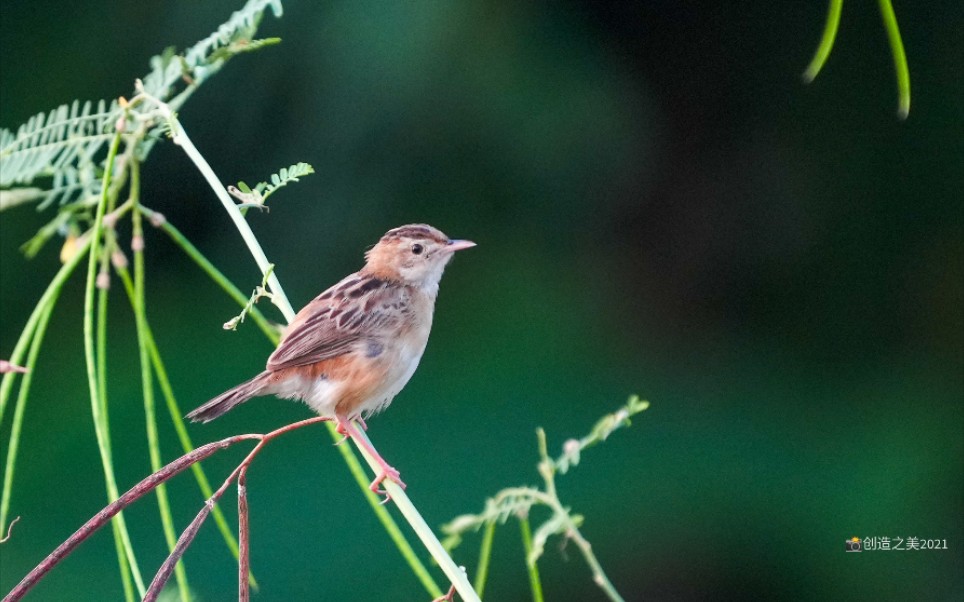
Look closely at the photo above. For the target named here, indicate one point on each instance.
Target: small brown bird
(350, 351)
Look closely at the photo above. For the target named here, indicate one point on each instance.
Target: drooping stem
(101, 428)
(826, 41)
(18, 412)
(178, 420)
(111, 510)
(164, 573)
(139, 304)
(48, 298)
(899, 56)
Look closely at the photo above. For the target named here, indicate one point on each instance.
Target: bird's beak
(458, 245)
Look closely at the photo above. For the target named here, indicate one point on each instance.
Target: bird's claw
(387, 473)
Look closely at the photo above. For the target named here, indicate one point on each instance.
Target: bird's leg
(386, 471)
(342, 430)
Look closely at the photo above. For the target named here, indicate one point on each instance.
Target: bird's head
(415, 254)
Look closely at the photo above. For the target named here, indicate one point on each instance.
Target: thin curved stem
(215, 274)
(114, 508)
(826, 41)
(97, 409)
(177, 418)
(899, 56)
(31, 335)
(18, 412)
(139, 304)
(164, 573)
(49, 297)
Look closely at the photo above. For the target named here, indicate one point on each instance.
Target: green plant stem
(18, 412)
(101, 430)
(826, 41)
(181, 139)
(215, 274)
(391, 527)
(147, 382)
(899, 56)
(534, 582)
(425, 534)
(48, 298)
(547, 468)
(101, 357)
(598, 574)
(485, 553)
(30, 336)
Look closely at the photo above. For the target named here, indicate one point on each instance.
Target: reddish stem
(144, 487)
(101, 518)
(164, 573)
(244, 545)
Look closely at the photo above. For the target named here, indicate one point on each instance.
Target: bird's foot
(387, 473)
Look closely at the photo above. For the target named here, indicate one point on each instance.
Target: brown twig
(449, 597)
(164, 573)
(244, 545)
(101, 518)
(144, 487)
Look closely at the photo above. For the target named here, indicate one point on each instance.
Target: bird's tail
(230, 398)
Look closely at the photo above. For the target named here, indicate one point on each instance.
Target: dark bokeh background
(661, 207)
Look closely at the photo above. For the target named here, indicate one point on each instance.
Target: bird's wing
(333, 322)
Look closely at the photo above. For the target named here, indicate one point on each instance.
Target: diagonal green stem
(181, 139)
(391, 527)
(415, 520)
(899, 56)
(826, 42)
(101, 430)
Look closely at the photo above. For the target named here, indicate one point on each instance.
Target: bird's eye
(417, 249)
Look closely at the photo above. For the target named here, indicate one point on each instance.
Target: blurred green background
(661, 208)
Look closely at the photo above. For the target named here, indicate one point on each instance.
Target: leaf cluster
(58, 157)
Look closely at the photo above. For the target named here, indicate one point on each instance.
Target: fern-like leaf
(60, 152)
(287, 175)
